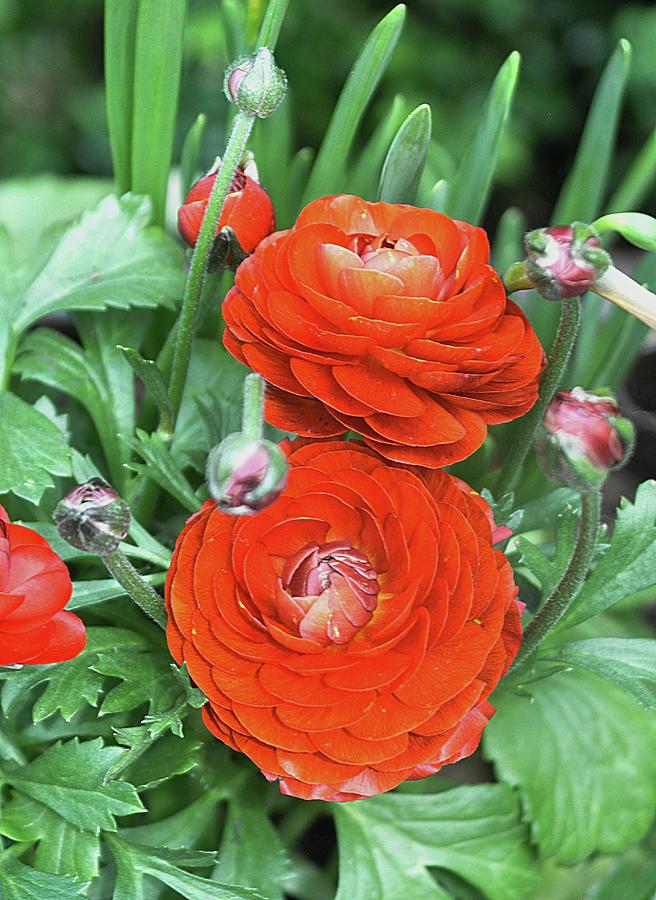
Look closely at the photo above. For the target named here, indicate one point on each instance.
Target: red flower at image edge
(247, 210)
(34, 589)
(347, 636)
(387, 320)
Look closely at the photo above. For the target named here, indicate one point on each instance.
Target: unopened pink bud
(564, 261)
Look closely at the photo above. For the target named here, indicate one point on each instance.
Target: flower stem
(120, 567)
(253, 410)
(560, 353)
(559, 602)
(186, 324)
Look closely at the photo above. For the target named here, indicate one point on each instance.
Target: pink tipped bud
(564, 261)
(583, 437)
(255, 83)
(93, 517)
(245, 475)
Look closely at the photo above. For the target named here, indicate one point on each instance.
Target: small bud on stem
(92, 517)
(255, 83)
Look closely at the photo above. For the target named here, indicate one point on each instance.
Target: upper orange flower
(387, 320)
(348, 636)
(34, 589)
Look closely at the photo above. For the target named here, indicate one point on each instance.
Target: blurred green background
(52, 115)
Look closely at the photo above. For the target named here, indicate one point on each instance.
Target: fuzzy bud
(564, 261)
(255, 83)
(245, 475)
(582, 438)
(93, 517)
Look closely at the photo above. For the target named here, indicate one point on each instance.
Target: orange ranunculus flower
(347, 637)
(34, 589)
(387, 320)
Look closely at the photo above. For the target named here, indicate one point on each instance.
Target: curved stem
(558, 603)
(560, 353)
(186, 324)
(146, 598)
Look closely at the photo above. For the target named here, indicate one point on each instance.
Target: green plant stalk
(272, 23)
(253, 409)
(241, 129)
(561, 351)
(146, 598)
(559, 602)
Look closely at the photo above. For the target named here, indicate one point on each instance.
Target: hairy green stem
(253, 409)
(559, 602)
(552, 376)
(146, 597)
(186, 325)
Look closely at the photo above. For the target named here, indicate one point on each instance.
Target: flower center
(377, 251)
(335, 589)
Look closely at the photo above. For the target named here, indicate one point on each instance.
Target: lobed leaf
(161, 468)
(21, 882)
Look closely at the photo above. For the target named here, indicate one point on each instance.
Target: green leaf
(638, 180)
(63, 849)
(170, 756)
(110, 257)
(145, 678)
(119, 38)
(406, 157)
(148, 371)
(21, 882)
(638, 228)
(69, 683)
(70, 779)
(560, 747)
(469, 190)
(272, 23)
(328, 170)
(161, 467)
(184, 828)
(364, 175)
(474, 831)
(628, 564)
(583, 191)
(157, 67)
(33, 449)
(134, 861)
(550, 569)
(509, 241)
(189, 166)
(259, 861)
(630, 663)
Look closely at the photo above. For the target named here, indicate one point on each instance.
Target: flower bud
(247, 209)
(92, 517)
(245, 475)
(582, 438)
(564, 261)
(255, 83)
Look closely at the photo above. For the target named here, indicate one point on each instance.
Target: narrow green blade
(363, 176)
(120, 29)
(328, 171)
(191, 153)
(470, 189)
(272, 23)
(272, 145)
(406, 157)
(638, 180)
(509, 243)
(582, 194)
(287, 210)
(157, 67)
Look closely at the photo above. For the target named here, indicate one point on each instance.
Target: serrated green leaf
(134, 861)
(148, 371)
(161, 468)
(62, 848)
(406, 157)
(260, 862)
(638, 228)
(109, 258)
(474, 831)
(70, 779)
(170, 756)
(145, 678)
(330, 165)
(68, 684)
(21, 882)
(158, 46)
(629, 563)
(560, 745)
(469, 189)
(629, 663)
(550, 569)
(33, 449)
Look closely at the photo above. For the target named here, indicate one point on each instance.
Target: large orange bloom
(347, 637)
(387, 320)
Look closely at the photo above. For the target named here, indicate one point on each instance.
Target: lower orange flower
(347, 637)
